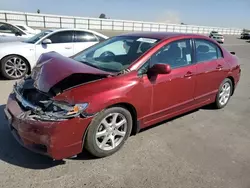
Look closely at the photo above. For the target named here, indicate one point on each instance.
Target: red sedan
(100, 96)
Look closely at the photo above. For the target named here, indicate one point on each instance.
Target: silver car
(9, 33)
(216, 36)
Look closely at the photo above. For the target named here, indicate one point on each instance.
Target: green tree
(103, 16)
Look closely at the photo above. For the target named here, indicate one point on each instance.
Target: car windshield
(21, 27)
(115, 54)
(218, 35)
(37, 37)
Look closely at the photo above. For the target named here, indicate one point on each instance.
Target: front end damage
(44, 125)
(41, 106)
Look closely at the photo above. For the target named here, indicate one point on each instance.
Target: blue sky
(226, 13)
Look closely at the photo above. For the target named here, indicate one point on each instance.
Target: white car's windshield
(21, 27)
(37, 37)
(115, 54)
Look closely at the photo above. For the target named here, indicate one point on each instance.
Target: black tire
(4, 63)
(217, 103)
(90, 140)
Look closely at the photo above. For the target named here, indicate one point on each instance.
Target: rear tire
(224, 94)
(105, 135)
(14, 67)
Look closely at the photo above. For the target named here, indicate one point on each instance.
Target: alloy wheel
(15, 67)
(111, 131)
(225, 93)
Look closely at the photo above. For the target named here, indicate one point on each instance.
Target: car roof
(20, 24)
(77, 29)
(161, 35)
(69, 29)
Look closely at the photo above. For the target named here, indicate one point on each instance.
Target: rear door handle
(188, 74)
(68, 47)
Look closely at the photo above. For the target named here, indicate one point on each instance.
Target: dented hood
(52, 68)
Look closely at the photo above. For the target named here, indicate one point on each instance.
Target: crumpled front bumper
(57, 139)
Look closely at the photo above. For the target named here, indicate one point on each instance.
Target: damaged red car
(100, 96)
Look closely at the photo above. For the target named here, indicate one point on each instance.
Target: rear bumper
(58, 140)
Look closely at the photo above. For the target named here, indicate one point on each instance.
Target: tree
(38, 11)
(103, 16)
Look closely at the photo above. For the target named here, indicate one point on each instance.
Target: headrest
(203, 49)
(174, 45)
(145, 46)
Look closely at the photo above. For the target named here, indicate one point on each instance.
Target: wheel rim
(111, 131)
(225, 93)
(15, 67)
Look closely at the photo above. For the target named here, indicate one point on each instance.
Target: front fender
(101, 94)
(27, 53)
(95, 108)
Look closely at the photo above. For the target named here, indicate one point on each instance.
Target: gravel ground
(205, 148)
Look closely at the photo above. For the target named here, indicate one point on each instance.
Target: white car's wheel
(14, 67)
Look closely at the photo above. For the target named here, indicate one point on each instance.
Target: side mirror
(46, 41)
(160, 69)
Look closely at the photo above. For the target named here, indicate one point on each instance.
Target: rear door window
(82, 36)
(206, 51)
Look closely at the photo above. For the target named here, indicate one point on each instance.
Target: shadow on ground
(13, 153)
(207, 107)
(241, 38)
(2, 78)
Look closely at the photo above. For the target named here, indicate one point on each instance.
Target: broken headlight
(68, 110)
(61, 111)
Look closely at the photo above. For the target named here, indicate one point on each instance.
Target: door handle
(188, 74)
(68, 47)
(219, 67)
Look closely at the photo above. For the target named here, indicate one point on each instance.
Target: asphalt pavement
(203, 149)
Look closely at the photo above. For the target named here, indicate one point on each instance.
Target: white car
(28, 29)
(216, 36)
(18, 58)
(9, 32)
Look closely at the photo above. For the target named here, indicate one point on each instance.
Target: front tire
(108, 131)
(14, 67)
(224, 94)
